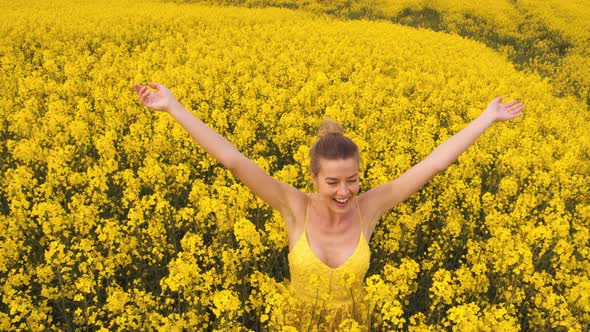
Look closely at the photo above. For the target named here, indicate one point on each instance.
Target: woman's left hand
(503, 112)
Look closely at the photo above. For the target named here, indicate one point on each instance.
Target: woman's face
(338, 182)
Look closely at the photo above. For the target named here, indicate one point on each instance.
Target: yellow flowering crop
(550, 38)
(112, 218)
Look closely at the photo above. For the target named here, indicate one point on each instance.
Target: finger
(145, 95)
(154, 85)
(512, 103)
(516, 114)
(137, 87)
(144, 92)
(516, 108)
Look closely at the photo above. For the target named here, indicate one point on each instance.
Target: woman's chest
(333, 246)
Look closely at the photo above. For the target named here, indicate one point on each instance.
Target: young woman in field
(329, 230)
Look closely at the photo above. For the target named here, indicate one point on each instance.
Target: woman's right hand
(156, 97)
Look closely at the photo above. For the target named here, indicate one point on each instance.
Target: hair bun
(329, 127)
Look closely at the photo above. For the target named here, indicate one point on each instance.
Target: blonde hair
(331, 144)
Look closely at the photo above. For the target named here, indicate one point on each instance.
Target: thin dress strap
(306, 213)
(358, 206)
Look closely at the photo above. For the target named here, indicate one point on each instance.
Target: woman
(329, 230)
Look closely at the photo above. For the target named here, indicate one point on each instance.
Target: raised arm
(384, 197)
(277, 194)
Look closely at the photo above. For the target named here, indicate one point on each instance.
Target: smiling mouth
(342, 201)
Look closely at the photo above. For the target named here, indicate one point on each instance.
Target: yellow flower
(226, 303)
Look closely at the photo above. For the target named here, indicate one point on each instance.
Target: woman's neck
(330, 218)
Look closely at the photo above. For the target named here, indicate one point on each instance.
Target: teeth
(341, 201)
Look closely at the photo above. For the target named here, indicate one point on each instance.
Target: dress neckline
(304, 235)
(326, 265)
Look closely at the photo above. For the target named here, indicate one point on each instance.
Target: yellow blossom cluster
(112, 218)
(551, 38)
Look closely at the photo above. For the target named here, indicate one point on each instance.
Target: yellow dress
(326, 296)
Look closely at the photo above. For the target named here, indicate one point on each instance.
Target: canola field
(549, 37)
(112, 218)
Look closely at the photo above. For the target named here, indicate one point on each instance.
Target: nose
(343, 189)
